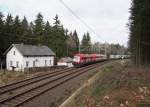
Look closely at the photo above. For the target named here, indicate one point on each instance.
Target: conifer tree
(86, 43)
(14, 30)
(17, 30)
(47, 40)
(139, 41)
(8, 31)
(2, 37)
(38, 28)
(72, 43)
(76, 40)
(25, 37)
(31, 39)
(56, 21)
(59, 38)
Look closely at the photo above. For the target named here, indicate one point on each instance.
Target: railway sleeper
(3, 105)
(20, 99)
(29, 95)
(14, 101)
(9, 104)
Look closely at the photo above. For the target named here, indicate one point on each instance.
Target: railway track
(15, 95)
(21, 83)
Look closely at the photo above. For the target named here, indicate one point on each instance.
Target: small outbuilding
(20, 57)
(67, 61)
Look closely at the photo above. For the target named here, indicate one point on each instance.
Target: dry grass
(9, 76)
(12, 76)
(118, 86)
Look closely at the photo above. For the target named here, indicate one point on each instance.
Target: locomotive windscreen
(76, 59)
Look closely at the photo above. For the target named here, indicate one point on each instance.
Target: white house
(20, 56)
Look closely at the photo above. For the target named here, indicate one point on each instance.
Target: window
(27, 64)
(14, 52)
(50, 62)
(17, 64)
(33, 63)
(36, 60)
(45, 62)
(11, 63)
(76, 59)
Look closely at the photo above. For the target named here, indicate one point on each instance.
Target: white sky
(108, 18)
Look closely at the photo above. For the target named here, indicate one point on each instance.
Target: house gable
(14, 59)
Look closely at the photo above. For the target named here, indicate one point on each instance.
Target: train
(86, 59)
(119, 56)
(80, 59)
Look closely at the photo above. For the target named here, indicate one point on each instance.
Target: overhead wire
(79, 18)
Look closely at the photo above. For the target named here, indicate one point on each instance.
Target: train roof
(88, 55)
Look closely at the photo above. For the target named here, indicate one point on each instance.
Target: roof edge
(39, 55)
(8, 49)
(14, 45)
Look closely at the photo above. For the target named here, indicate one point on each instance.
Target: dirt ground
(119, 85)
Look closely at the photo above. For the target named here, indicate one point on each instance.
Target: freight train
(86, 59)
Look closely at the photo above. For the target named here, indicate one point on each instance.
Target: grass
(9, 76)
(119, 83)
(143, 104)
(53, 105)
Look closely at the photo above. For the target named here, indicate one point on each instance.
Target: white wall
(39, 61)
(14, 58)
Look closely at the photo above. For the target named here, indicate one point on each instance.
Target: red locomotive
(85, 59)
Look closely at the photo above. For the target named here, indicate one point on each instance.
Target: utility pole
(99, 49)
(105, 49)
(66, 31)
(1, 66)
(79, 47)
(67, 50)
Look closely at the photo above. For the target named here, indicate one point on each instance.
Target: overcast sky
(108, 18)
